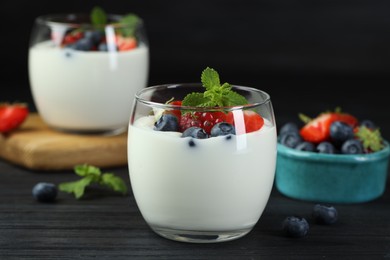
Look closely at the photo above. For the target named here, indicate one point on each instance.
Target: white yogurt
(219, 184)
(86, 90)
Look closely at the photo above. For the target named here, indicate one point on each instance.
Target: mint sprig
(98, 17)
(215, 95)
(92, 175)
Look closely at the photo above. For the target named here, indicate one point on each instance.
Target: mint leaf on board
(85, 169)
(92, 175)
(114, 182)
(98, 16)
(215, 95)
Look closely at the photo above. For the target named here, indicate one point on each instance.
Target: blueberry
(84, 44)
(290, 139)
(340, 132)
(352, 146)
(325, 147)
(222, 128)
(167, 122)
(103, 47)
(324, 214)
(288, 127)
(294, 226)
(195, 132)
(305, 146)
(44, 192)
(95, 36)
(368, 123)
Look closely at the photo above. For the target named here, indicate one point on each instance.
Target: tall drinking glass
(84, 76)
(208, 188)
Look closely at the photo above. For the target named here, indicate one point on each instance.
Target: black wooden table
(105, 225)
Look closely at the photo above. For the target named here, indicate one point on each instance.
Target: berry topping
(305, 146)
(340, 132)
(44, 192)
(352, 146)
(189, 120)
(290, 139)
(325, 147)
(167, 122)
(195, 132)
(294, 226)
(95, 39)
(289, 127)
(222, 128)
(325, 215)
(252, 121)
(332, 132)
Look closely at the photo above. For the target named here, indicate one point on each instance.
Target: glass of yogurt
(85, 69)
(206, 176)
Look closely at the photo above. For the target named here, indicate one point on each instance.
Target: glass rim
(50, 20)
(138, 98)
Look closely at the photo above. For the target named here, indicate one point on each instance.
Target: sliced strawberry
(318, 129)
(12, 116)
(246, 122)
(347, 118)
(126, 43)
(175, 112)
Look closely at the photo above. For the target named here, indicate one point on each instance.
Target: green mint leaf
(98, 16)
(77, 187)
(131, 22)
(215, 95)
(195, 100)
(92, 174)
(114, 182)
(234, 99)
(210, 78)
(85, 169)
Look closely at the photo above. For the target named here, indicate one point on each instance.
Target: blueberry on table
(324, 214)
(288, 128)
(340, 132)
(294, 226)
(195, 132)
(326, 147)
(305, 146)
(167, 122)
(352, 146)
(290, 139)
(222, 128)
(45, 192)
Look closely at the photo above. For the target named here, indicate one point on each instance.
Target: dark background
(306, 54)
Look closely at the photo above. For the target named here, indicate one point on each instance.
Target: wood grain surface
(38, 147)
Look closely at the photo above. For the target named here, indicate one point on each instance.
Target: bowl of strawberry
(332, 158)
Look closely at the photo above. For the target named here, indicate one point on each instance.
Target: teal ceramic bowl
(331, 178)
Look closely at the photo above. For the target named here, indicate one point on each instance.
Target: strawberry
(252, 121)
(175, 112)
(347, 118)
(12, 116)
(318, 129)
(126, 43)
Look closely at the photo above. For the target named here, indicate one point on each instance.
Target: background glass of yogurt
(200, 190)
(86, 91)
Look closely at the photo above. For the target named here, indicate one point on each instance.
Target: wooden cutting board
(36, 146)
